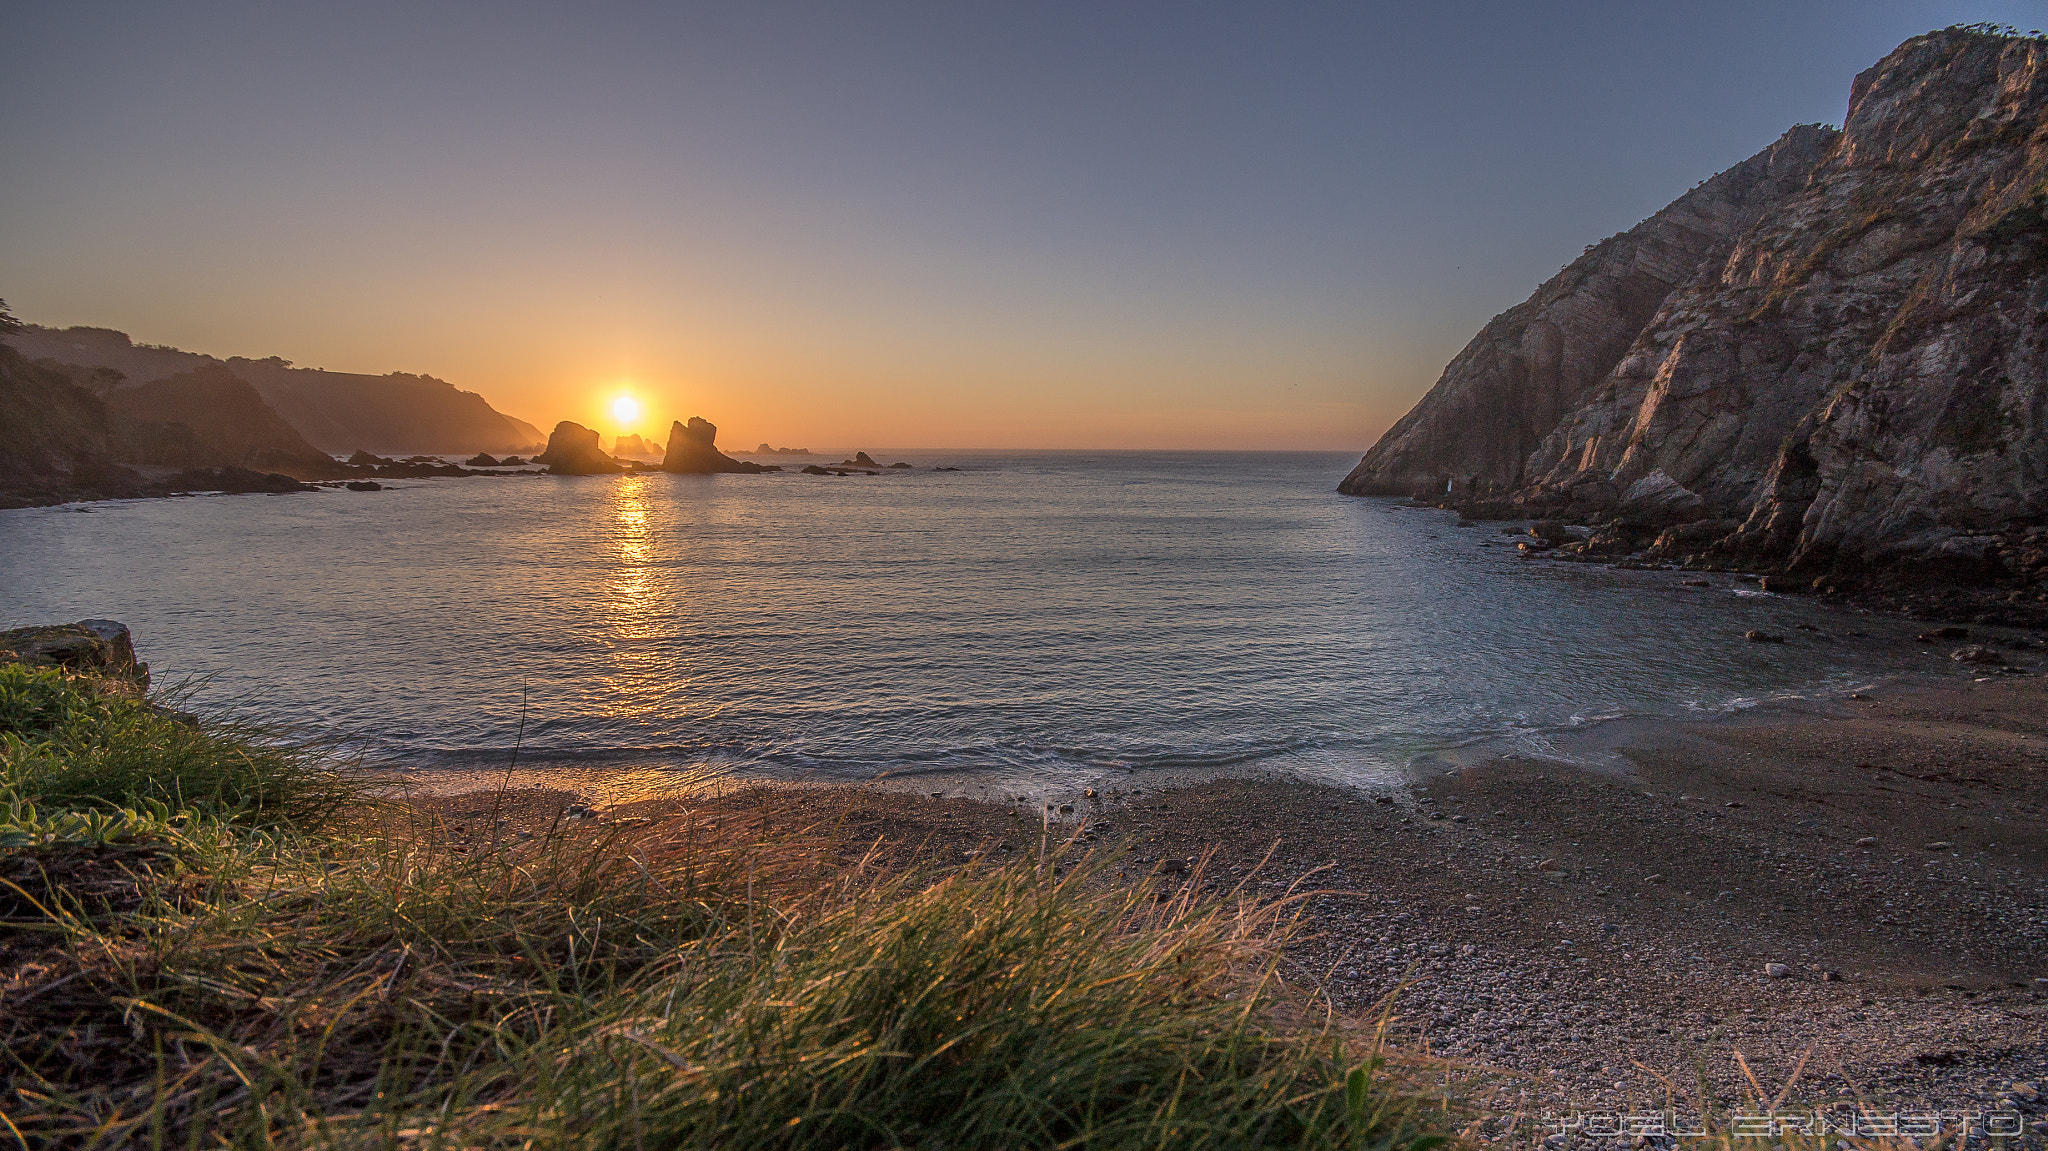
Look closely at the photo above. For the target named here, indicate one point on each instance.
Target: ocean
(1032, 624)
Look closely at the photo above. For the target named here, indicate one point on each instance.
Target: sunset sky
(969, 225)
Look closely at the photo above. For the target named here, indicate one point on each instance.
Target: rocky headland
(1825, 364)
(336, 412)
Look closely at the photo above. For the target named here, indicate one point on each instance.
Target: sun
(626, 409)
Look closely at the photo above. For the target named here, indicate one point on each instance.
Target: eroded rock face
(692, 450)
(1848, 362)
(1549, 356)
(572, 451)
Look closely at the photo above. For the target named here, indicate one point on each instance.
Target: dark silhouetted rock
(1755, 635)
(207, 418)
(484, 460)
(859, 460)
(55, 440)
(572, 451)
(815, 470)
(238, 481)
(365, 486)
(398, 411)
(899, 464)
(632, 445)
(693, 450)
(365, 459)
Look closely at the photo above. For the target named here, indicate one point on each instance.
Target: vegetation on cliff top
(210, 937)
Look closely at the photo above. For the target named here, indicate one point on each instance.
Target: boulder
(693, 450)
(366, 459)
(1657, 500)
(100, 647)
(1687, 539)
(859, 460)
(365, 486)
(1976, 654)
(572, 451)
(483, 460)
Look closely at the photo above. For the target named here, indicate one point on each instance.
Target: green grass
(264, 958)
(72, 741)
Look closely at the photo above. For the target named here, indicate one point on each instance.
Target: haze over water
(1034, 623)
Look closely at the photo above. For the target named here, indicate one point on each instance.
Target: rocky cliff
(209, 418)
(54, 439)
(1827, 360)
(338, 412)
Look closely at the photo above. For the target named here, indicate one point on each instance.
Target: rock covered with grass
(99, 647)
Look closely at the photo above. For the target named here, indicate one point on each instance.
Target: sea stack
(632, 446)
(692, 451)
(572, 451)
(1824, 362)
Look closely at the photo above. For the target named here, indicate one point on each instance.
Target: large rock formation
(572, 451)
(1829, 359)
(337, 412)
(1548, 356)
(692, 451)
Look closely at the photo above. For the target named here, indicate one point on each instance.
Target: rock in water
(633, 447)
(692, 450)
(572, 451)
(1836, 344)
(240, 481)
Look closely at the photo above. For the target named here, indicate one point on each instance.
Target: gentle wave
(1037, 621)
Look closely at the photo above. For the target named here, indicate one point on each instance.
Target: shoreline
(1584, 931)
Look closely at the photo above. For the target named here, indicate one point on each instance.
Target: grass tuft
(274, 963)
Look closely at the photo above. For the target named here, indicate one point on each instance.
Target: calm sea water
(1032, 623)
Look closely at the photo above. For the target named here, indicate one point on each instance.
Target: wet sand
(1602, 935)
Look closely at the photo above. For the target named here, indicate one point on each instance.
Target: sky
(1088, 225)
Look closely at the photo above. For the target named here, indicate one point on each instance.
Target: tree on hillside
(8, 324)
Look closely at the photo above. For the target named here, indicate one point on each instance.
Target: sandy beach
(1855, 893)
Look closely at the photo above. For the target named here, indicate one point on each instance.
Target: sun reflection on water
(640, 613)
